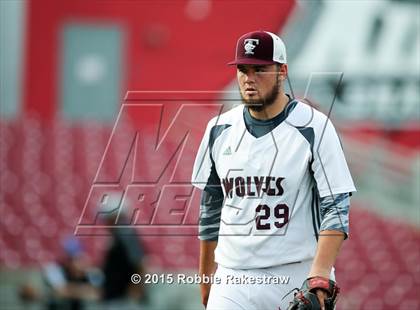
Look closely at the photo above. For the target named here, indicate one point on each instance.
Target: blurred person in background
(123, 258)
(70, 281)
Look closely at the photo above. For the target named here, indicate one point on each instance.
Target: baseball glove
(306, 299)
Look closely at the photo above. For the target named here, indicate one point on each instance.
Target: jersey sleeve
(203, 163)
(329, 165)
(206, 178)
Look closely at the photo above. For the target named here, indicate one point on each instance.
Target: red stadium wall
(165, 49)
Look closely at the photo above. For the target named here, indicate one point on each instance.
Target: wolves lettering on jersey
(269, 210)
(254, 186)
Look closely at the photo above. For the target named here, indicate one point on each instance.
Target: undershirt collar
(259, 128)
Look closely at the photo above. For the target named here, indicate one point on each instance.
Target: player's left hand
(316, 293)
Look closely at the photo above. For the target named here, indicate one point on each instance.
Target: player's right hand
(205, 292)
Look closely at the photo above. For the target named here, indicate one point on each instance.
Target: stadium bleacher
(379, 253)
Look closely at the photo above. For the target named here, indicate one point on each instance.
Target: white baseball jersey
(271, 184)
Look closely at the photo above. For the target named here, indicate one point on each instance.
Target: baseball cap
(259, 48)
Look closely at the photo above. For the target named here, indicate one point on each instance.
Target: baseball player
(275, 192)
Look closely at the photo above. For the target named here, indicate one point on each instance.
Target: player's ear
(283, 71)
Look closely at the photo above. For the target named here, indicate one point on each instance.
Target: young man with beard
(276, 187)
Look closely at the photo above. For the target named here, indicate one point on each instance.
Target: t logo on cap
(249, 45)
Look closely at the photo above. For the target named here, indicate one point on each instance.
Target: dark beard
(259, 104)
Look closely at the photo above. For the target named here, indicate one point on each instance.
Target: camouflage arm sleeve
(210, 211)
(335, 213)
